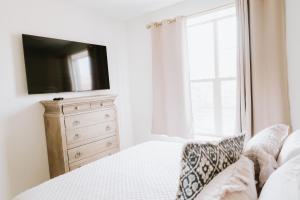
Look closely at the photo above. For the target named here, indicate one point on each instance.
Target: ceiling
(125, 9)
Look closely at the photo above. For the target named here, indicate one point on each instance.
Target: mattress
(149, 171)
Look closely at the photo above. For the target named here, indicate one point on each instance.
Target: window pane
(227, 36)
(201, 51)
(213, 71)
(228, 92)
(203, 107)
(227, 63)
(227, 40)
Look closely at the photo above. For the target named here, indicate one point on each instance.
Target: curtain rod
(156, 24)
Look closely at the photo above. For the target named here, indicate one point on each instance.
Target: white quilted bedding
(149, 171)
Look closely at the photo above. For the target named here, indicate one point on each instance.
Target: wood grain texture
(79, 131)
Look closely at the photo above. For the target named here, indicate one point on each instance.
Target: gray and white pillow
(202, 162)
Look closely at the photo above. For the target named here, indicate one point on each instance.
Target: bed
(149, 171)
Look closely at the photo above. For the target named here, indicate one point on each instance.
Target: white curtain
(244, 93)
(172, 114)
(262, 64)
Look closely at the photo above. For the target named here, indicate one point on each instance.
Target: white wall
(23, 154)
(140, 72)
(293, 50)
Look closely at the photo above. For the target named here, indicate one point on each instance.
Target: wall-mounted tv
(54, 65)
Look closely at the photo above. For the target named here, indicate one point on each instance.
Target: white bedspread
(149, 171)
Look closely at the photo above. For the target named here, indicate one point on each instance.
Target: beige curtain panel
(172, 113)
(264, 99)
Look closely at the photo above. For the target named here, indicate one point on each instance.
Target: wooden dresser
(79, 131)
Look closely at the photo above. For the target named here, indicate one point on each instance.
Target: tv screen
(54, 65)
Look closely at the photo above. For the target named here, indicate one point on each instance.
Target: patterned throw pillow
(202, 162)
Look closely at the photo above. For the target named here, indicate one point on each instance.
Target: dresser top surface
(82, 99)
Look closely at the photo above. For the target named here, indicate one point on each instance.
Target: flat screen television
(54, 65)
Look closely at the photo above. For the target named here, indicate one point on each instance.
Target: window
(212, 58)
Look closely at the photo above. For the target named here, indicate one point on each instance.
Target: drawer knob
(76, 136)
(76, 123)
(77, 155)
(101, 104)
(76, 107)
(108, 128)
(107, 116)
(108, 144)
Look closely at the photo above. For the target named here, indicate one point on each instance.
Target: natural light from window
(212, 57)
(81, 68)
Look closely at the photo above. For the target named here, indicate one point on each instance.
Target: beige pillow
(234, 183)
(263, 150)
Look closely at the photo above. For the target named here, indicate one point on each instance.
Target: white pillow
(263, 150)
(236, 182)
(284, 183)
(290, 148)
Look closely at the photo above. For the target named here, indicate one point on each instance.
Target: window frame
(216, 81)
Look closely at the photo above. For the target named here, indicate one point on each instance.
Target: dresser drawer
(101, 104)
(80, 136)
(91, 149)
(87, 119)
(73, 108)
(85, 161)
